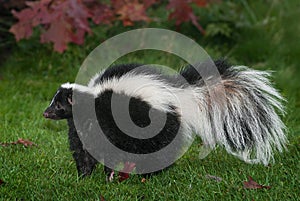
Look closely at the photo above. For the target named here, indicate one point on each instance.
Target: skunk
(244, 121)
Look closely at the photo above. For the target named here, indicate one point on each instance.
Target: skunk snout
(46, 114)
(49, 114)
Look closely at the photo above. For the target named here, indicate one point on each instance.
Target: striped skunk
(245, 122)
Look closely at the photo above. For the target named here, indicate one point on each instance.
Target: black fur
(192, 76)
(139, 113)
(61, 108)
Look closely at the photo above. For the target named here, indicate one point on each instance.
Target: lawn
(31, 73)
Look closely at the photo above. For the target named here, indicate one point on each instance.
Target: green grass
(31, 74)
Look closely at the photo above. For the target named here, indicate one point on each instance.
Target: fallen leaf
(26, 143)
(251, 184)
(1, 182)
(124, 173)
(102, 198)
(218, 179)
(143, 180)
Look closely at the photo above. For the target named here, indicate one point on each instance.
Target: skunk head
(61, 104)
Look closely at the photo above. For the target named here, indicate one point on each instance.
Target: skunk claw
(110, 177)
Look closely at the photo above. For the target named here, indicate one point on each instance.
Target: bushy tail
(245, 120)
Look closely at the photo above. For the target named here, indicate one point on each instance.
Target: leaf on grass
(1, 182)
(102, 198)
(124, 173)
(251, 184)
(218, 179)
(143, 180)
(26, 143)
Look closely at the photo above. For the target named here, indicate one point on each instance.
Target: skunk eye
(58, 106)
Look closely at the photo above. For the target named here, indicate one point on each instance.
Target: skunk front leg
(85, 163)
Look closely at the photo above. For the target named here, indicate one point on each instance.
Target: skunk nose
(46, 114)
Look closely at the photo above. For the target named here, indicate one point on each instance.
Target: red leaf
(183, 12)
(130, 11)
(101, 13)
(23, 29)
(26, 143)
(80, 14)
(124, 173)
(102, 198)
(67, 22)
(62, 21)
(251, 184)
(41, 12)
(200, 3)
(58, 33)
(29, 18)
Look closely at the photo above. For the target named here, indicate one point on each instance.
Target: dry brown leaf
(26, 143)
(251, 184)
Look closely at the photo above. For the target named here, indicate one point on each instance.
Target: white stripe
(52, 101)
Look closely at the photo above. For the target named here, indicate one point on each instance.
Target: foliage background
(260, 34)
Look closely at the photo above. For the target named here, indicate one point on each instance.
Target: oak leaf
(183, 12)
(130, 11)
(251, 184)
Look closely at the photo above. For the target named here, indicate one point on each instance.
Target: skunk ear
(70, 100)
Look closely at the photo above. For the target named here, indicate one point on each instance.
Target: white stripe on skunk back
(246, 122)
